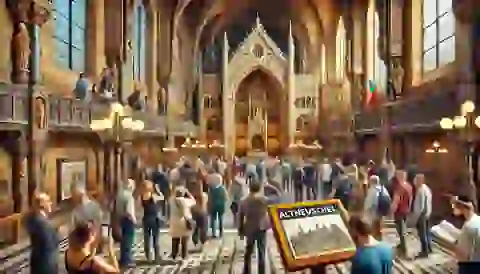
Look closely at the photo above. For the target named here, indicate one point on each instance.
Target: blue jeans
(151, 231)
(126, 243)
(259, 238)
(216, 215)
(424, 236)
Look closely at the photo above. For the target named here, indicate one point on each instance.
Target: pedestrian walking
(151, 221)
(422, 209)
(402, 199)
(125, 212)
(181, 223)
(44, 252)
(253, 224)
(217, 200)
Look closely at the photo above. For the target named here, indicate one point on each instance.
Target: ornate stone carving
(397, 75)
(40, 113)
(258, 50)
(22, 13)
(20, 53)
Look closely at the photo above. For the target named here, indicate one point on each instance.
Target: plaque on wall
(311, 233)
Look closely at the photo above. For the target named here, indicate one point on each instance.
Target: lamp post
(113, 129)
(466, 123)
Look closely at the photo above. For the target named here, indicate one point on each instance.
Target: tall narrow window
(139, 42)
(70, 18)
(438, 34)
(341, 50)
(323, 64)
(380, 69)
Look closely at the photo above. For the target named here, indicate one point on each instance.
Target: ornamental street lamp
(466, 123)
(115, 129)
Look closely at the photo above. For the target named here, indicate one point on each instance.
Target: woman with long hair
(151, 221)
(80, 257)
(181, 222)
(200, 215)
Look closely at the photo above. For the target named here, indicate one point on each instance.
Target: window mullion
(70, 34)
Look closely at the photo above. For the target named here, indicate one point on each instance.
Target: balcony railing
(69, 112)
(13, 108)
(368, 121)
(409, 115)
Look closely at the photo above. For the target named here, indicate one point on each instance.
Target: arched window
(207, 102)
(341, 50)
(380, 69)
(139, 41)
(309, 102)
(300, 123)
(70, 17)
(438, 34)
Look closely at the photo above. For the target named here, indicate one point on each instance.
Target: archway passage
(260, 114)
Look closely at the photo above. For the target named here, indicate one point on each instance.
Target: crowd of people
(191, 198)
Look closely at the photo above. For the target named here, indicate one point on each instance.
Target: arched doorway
(259, 114)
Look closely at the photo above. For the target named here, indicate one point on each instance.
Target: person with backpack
(402, 200)
(342, 189)
(377, 205)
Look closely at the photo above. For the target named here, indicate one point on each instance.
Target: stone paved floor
(226, 256)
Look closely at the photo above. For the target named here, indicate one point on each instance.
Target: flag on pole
(371, 97)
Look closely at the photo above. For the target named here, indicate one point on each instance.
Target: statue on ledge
(20, 53)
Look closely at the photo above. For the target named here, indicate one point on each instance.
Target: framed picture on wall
(299, 227)
(70, 173)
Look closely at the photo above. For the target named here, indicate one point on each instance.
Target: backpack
(383, 202)
(344, 190)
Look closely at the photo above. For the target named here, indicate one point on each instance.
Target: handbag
(189, 222)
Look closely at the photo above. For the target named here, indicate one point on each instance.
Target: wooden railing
(14, 108)
(69, 112)
(368, 121)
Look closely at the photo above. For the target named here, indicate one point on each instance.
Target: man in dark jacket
(43, 237)
(253, 224)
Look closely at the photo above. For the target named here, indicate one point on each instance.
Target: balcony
(13, 110)
(410, 115)
(368, 121)
(423, 114)
(69, 114)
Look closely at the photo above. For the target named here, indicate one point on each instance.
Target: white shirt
(371, 201)
(325, 172)
(87, 211)
(423, 201)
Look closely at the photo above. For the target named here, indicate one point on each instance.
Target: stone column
(151, 62)
(465, 47)
(369, 61)
(96, 60)
(16, 145)
(228, 104)
(291, 87)
(358, 70)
